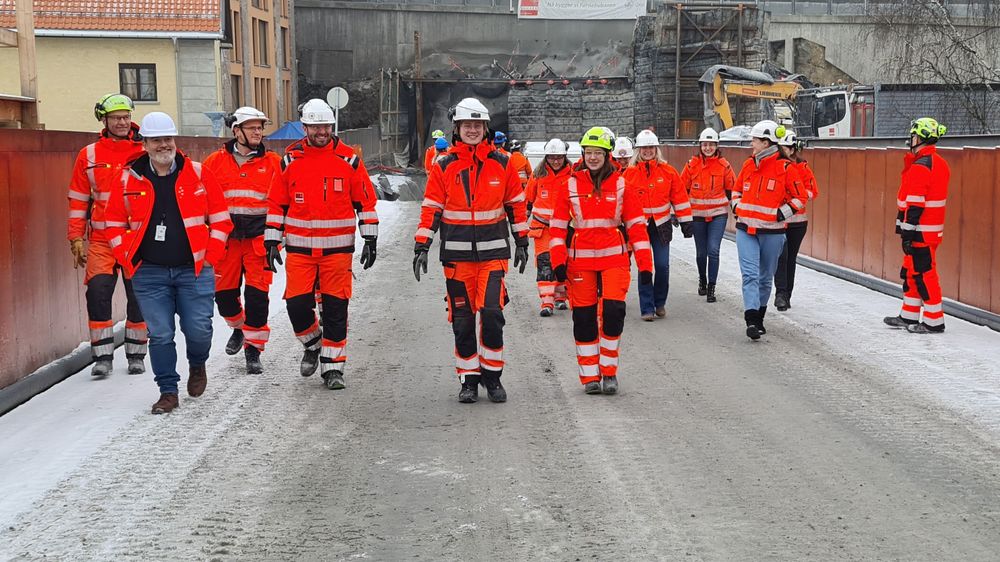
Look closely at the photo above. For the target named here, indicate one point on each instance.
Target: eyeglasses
(257, 129)
(127, 117)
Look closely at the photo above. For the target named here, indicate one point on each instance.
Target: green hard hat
(927, 128)
(112, 102)
(597, 136)
(437, 134)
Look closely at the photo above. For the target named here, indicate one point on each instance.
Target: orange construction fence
(852, 223)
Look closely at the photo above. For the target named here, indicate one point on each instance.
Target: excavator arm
(721, 81)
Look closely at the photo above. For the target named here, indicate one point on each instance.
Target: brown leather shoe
(165, 404)
(197, 381)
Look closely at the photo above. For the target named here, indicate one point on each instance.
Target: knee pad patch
(585, 323)
(614, 317)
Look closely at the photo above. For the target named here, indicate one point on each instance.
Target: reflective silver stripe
(102, 196)
(105, 349)
(641, 245)
(115, 224)
(933, 307)
(559, 223)
(194, 221)
(78, 196)
(758, 223)
(934, 204)
(252, 211)
(492, 244)
(662, 220)
(98, 225)
(786, 210)
(134, 334)
(341, 241)
(272, 234)
(517, 198)
(456, 245)
(557, 242)
(799, 217)
(519, 227)
(245, 193)
(602, 253)
(258, 335)
(469, 364)
(719, 201)
(456, 215)
(491, 214)
(589, 370)
(912, 301)
(332, 352)
(685, 218)
(74, 214)
(425, 232)
(596, 223)
(633, 222)
(655, 210)
(220, 216)
(368, 216)
(933, 321)
(588, 350)
(758, 208)
(338, 223)
(91, 162)
(135, 225)
(368, 229)
(682, 206)
(709, 212)
(542, 212)
(101, 334)
(921, 227)
(199, 255)
(432, 203)
(490, 354)
(796, 203)
(219, 235)
(912, 199)
(610, 345)
(544, 219)
(276, 219)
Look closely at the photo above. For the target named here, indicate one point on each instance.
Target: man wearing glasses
(246, 171)
(89, 188)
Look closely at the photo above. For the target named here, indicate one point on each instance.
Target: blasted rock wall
(541, 114)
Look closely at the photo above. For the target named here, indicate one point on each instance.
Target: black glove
(645, 277)
(273, 254)
(907, 247)
(419, 262)
(687, 229)
(560, 273)
(368, 253)
(520, 258)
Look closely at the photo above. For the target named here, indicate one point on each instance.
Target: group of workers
(186, 234)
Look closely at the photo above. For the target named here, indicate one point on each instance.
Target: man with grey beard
(167, 223)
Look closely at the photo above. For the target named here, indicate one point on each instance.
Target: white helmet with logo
(157, 124)
(646, 138)
(766, 129)
(316, 112)
(623, 148)
(790, 139)
(708, 135)
(555, 147)
(470, 109)
(247, 113)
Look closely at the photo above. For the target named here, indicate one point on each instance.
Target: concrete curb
(951, 307)
(55, 372)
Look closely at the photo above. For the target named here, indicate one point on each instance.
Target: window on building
(263, 58)
(138, 81)
(286, 45)
(260, 4)
(289, 104)
(237, 89)
(237, 33)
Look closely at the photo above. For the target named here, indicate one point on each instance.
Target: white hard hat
(316, 112)
(789, 139)
(470, 109)
(766, 129)
(646, 138)
(555, 147)
(157, 124)
(708, 135)
(247, 113)
(623, 148)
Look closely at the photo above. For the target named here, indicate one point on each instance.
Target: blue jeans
(707, 240)
(654, 296)
(163, 292)
(758, 259)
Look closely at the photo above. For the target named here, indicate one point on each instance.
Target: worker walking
(246, 170)
(434, 150)
(520, 162)
(623, 153)
(708, 179)
(923, 192)
(96, 166)
(167, 225)
(596, 264)
(324, 192)
(664, 201)
(474, 196)
(547, 185)
(784, 277)
(768, 193)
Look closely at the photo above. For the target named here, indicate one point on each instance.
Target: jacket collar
(924, 150)
(766, 153)
(133, 134)
(255, 153)
(465, 151)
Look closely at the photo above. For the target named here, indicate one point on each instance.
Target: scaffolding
(392, 137)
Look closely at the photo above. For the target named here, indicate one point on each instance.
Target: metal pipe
(677, 73)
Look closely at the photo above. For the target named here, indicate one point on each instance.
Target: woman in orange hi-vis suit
(784, 276)
(547, 185)
(595, 261)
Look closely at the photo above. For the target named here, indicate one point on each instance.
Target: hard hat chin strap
(243, 142)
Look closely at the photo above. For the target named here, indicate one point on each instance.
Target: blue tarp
(291, 130)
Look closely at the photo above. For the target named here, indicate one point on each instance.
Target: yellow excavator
(721, 81)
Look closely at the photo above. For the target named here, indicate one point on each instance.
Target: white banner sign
(581, 9)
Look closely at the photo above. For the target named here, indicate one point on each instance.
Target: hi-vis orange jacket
(199, 198)
(923, 191)
(768, 192)
(472, 194)
(708, 181)
(97, 165)
(245, 188)
(429, 155)
(660, 191)
(322, 192)
(809, 187)
(542, 194)
(597, 243)
(522, 167)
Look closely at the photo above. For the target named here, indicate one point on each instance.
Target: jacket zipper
(324, 189)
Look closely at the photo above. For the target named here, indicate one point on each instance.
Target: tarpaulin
(581, 9)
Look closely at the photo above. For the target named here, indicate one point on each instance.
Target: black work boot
(609, 385)
(898, 322)
(760, 320)
(702, 287)
(254, 366)
(310, 362)
(781, 301)
(494, 390)
(102, 367)
(921, 328)
(136, 364)
(751, 316)
(334, 380)
(235, 343)
(710, 293)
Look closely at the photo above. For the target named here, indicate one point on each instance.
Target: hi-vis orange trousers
(477, 288)
(598, 301)
(101, 278)
(244, 260)
(335, 286)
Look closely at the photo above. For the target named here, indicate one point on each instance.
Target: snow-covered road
(833, 438)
